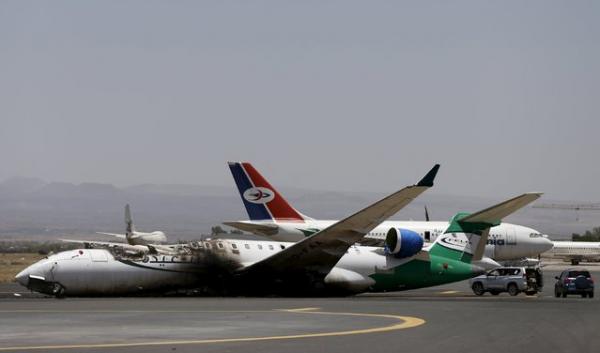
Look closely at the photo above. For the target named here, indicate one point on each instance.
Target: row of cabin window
(260, 247)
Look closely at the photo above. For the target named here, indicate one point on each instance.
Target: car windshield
(579, 273)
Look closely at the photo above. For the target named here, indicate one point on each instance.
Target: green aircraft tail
(467, 234)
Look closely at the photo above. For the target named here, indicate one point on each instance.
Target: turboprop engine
(403, 242)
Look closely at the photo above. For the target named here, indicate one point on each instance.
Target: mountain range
(32, 208)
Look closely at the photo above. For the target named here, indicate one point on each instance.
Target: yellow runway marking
(299, 310)
(450, 292)
(405, 322)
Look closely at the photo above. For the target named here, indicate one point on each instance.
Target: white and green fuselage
(361, 269)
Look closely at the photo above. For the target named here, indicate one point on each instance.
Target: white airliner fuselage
(100, 272)
(506, 241)
(272, 216)
(575, 251)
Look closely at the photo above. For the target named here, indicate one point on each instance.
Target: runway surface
(446, 318)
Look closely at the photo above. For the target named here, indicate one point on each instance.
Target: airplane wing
(321, 251)
(121, 236)
(265, 229)
(372, 242)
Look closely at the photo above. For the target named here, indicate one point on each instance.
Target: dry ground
(11, 264)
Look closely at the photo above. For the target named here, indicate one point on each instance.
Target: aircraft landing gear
(58, 291)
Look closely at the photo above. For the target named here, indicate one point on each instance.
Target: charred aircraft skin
(109, 272)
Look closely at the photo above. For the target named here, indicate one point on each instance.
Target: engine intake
(403, 242)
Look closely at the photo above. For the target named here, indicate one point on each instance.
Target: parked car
(574, 281)
(513, 280)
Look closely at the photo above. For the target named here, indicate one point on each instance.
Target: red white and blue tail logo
(262, 201)
(259, 195)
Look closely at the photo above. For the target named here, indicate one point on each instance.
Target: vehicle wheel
(590, 295)
(564, 293)
(556, 293)
(478, 288)
(513, 289)
(583, 295)
(494, 292)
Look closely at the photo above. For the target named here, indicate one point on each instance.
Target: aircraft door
(511, 236)
(490, 250)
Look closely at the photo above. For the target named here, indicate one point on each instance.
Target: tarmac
(445, 319)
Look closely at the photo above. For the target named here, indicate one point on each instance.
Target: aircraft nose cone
(545, 245)
(23, 277)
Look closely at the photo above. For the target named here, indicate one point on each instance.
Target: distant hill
(31, 208)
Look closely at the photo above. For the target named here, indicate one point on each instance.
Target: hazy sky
(338, 95)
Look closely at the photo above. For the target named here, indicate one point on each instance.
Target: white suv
(513, 280)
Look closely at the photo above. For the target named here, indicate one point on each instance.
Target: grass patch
(13, 263)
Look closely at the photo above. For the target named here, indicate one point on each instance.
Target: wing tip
(428, 179)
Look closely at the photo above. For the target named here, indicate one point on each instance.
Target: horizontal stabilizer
(121, 236)
(495, 214)
(264, 229)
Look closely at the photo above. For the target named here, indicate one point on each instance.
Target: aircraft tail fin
(129, 227)
(467, 234)
(262, 201)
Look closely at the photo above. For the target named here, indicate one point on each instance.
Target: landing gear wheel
(58, 291)
(478, 288)
(513, 289)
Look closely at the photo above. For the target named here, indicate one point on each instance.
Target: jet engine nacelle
(403, 242)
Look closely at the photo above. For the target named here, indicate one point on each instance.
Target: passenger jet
(272, 216)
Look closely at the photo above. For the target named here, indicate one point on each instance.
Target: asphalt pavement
(445, 319)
